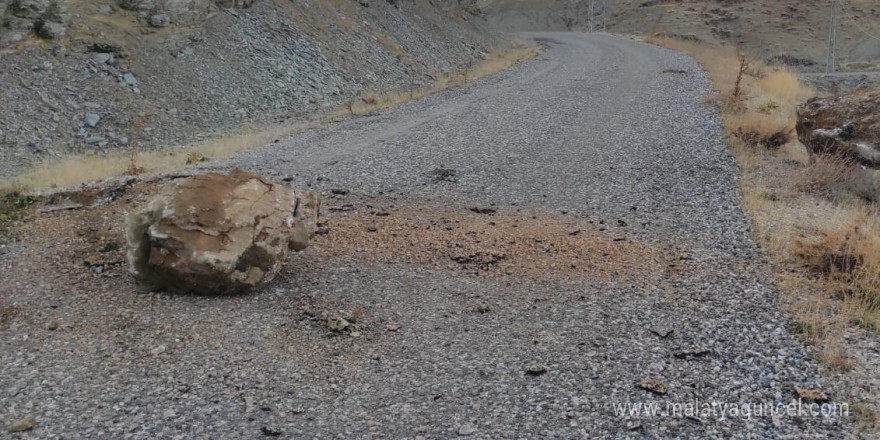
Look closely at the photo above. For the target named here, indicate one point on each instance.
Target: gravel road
(602, 137)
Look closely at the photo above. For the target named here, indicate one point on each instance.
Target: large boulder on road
(216, 234)
(843, 126)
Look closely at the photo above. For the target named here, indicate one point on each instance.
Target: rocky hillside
(89, 76)
(790, 31)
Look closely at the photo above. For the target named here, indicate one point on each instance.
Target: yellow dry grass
(78, 169)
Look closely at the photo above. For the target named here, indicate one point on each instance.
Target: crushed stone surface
(478, 331)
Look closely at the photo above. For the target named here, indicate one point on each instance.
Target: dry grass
(825, 174)
(86, 168)
(849, 258)
(495, 62)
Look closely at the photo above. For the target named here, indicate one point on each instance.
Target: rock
(159, 21)
(845, 126)
(32, 9)
(467, 429)
(867, 183)
(661, 331)
(130, 79)
(216, 234)
(339, 324)
(271, 431)
(56, 12)
(49, 30)
(92, 119)
(22, 425)
(103, 58)
(234, 4)
(536, 370)
(52, 326)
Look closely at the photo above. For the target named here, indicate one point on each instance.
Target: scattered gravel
(590, 137)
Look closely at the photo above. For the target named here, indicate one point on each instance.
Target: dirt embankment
(144, 74)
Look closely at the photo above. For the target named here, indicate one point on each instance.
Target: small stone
(338, 324)
(158, 350)
(393, 328)
(467, 429)
(52, 326)
(102, 58)
(661, 331)
(49, 30)
(22, 425)
(654, 386)
(271, 431)
(536, 370)
(130, 79)
(92, 119)
(160, 20)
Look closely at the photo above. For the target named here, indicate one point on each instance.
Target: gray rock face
(217, 234)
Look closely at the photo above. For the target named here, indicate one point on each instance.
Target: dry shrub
(783, 85)
(848, 257)
(759, 130)
(825, 172)
(835, 357)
